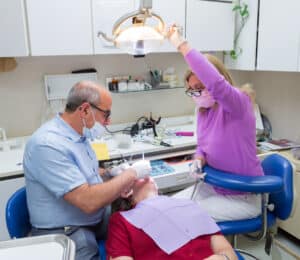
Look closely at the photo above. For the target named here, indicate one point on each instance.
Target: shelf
(146, 90)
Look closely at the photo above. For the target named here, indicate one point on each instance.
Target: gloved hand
(175, 37)
(196, 168)
(142, 168)
(117, 170)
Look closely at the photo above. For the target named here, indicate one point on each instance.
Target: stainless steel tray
(48, 247)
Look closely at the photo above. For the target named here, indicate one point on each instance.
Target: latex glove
(117, 170)
(196, 168)
(175, 37)
(142, 168)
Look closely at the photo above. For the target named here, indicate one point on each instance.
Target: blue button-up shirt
(56, 161)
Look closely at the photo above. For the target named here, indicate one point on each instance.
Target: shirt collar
(68, 131)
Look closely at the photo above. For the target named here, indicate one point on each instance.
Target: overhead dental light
(134, 34)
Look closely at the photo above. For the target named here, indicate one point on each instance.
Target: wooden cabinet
(60, 27)
(246, 40)
(210, 25)
(279, 35)
(13, 33)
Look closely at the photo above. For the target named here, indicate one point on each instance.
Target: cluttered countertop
(12, 150)
(176, 135)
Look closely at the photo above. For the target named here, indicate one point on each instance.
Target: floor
(285, 247)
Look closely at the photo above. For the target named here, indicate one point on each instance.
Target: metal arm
(145, 4)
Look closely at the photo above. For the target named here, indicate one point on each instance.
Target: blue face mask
(96, 131)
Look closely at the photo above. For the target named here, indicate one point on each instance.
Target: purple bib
(170, 222)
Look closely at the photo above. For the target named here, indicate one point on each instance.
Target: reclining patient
(162, 227)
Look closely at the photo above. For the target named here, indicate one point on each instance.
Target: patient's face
(143, 188)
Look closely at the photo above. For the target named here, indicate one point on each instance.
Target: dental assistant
(65, 192)
(226, 132)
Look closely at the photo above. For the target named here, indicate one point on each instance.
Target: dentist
(65, 192)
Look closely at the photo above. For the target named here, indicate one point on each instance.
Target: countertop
(12, 150)
(11, 157)
(138, 147)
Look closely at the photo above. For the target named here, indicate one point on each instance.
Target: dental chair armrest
(255, 184)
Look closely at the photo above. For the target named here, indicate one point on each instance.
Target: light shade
(139, 39)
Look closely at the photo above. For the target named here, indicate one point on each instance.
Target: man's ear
(84, 108)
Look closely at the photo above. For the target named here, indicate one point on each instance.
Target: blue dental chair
(276, 189)
(17, 218)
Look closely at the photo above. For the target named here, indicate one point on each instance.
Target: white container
(122, 86)
(133, 86)
(123, 141)
(170, 76)
(3, 134)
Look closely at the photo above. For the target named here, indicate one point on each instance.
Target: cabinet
(246, 41)
(279, 35)
(66, 27)
(177, 15)
(291, 225)
(210, 25)
(13, 29)
(105, 14)
(60, 27)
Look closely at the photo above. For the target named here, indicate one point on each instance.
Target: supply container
(123, 141)
(122, 85)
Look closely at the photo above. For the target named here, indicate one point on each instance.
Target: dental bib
(170, 222)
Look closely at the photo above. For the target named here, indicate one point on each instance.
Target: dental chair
(276, 189)
(17, 219)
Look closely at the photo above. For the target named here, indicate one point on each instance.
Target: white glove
(117, 170)
(196, 168)
(175, 36)
(142, 168)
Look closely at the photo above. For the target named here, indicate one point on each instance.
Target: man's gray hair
(83, 91)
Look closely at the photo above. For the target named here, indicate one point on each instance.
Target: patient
(162, 227)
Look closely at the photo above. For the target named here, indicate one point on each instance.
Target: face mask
(96, 131)
(205, 100)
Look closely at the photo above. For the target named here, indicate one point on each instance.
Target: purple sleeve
(199, 152)
(228, 96)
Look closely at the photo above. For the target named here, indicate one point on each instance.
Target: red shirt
(125, 239)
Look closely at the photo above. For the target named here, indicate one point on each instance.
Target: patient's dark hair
(122, 204)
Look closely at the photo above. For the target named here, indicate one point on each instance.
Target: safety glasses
(107, 113)
(193, 92)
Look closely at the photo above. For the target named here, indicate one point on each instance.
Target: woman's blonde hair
(218, 64)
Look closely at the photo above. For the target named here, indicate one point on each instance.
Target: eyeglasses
(193, 92)
(107, 113)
